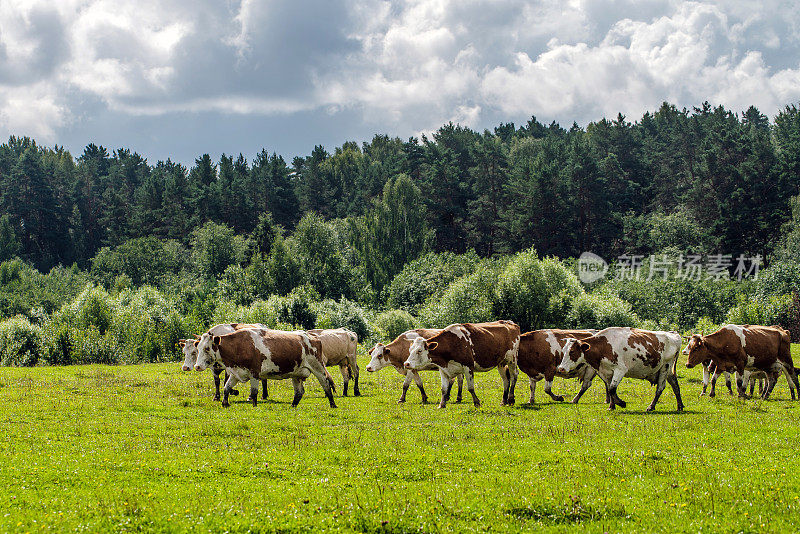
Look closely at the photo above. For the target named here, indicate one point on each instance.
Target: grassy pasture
(143, 448)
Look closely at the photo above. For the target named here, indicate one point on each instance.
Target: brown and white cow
(189, 349)
(619, 352)
(469, 348)
(396, 353)
(540, 352)
(266, 354)
(340, 346)
(746, 348)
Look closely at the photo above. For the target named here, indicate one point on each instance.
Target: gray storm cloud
(401, 67)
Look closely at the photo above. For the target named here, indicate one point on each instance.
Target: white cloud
(404, 66)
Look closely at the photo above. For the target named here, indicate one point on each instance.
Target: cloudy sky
(180, 78)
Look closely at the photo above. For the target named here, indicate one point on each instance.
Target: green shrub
(11, 271)
(93, 307)
(592, 310)
(146, 326)
(392, 323)
(536, 293)
(427, 276)
(761, 311)
(20, 342)
(342, 314)
(467, 300)
(297, 308)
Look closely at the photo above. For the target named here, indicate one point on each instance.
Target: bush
(147, 326)
(426, 277)
(780, 278)
(762, 311)
(144, 260)
(344, 314)
(20, 342)
(392, 323)
(297, 308)
(467, 300)
(536, 293)
(261, 311)
(93, 307)
(601, 311)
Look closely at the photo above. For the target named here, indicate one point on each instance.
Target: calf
(619, 352)
(339, 346)
(746, 348)
(541, 351)
(266, 354)
(469, 348)
(396, 353)
(189, 349)
(712, 371)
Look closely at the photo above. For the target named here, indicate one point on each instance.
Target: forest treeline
(713, 178)
(107, 252)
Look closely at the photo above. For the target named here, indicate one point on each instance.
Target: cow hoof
(356, 393)
(712, 394)
(333, 405)
(216, 397)
(226, 404)
(442, 406)
(703, 394)
(558, 398)
(574, 401)
(512, 401)
(681, 407)
(458, 400)
(402, 401)
(477, 404)
(425, 401)
(650, 408)
(234, 392)
(612, 408)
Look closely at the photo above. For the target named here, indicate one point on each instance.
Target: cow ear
(182, 342)
(197, 337)
(216, 340)
(386, 351)
(432, 345)
(584, 346)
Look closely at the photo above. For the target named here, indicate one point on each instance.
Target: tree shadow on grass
(658, 412)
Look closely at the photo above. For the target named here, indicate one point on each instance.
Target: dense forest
(461, 225)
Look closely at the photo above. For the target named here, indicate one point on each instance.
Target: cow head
(189, 349)
(419, 354)
(379, 358)
(696, 350)
(573, 355)
(207, 351)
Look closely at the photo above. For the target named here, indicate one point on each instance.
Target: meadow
(144, 448)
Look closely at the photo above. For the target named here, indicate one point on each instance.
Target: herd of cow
(253, 353)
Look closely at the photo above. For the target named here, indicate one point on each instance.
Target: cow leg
(676, 389)
(459, 394)
(791, 377)
(418, 381)
(660, 385)
(229, 383)
(264, 392)
(318, 370)
(752, 385)
(216, 374)
(612, 389)
(354, 372)
(406, 384)
(714, 378)
(513, 374)
(533, 391)
(706, 377)
(345, 377)
(446, 385)
(771, 381)
(728, 382)
(585, 383)
(253, 398)
(505, 378)
(299, 389)
(548, 385)
(227, 378)
(470, 378)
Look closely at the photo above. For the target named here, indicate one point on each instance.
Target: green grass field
(144, 448)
